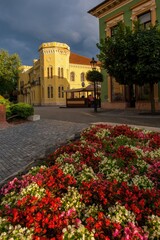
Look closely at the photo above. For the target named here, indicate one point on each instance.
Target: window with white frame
(113, 30)
(145, 19)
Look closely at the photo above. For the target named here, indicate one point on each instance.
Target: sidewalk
(22, 144)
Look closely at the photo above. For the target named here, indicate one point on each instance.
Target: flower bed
(104, 186)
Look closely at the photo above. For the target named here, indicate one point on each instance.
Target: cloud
(26, 24)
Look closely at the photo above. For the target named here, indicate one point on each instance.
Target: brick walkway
(21, 144)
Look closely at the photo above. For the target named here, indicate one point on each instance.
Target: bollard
(2, 113)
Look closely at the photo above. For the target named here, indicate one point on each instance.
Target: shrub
(22, 110)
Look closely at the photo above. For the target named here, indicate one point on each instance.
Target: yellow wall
(52, 70)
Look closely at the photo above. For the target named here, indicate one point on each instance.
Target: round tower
(54, 70)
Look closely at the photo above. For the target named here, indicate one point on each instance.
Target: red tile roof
(78, 59)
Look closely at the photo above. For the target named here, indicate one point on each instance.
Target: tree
(147, 43)
(9, 72)
(133, 57)
(94, 76)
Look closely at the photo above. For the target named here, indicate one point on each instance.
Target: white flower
(119, 213)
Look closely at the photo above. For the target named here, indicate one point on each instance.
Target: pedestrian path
(22, 144)
(154, 129)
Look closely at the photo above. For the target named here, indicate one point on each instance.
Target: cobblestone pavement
(21, 144)
(87, 115)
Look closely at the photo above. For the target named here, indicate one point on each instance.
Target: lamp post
(93, 63)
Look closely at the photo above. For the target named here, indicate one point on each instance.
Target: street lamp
(93, 63)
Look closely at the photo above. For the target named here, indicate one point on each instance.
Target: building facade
(110, 13)
(57, 70)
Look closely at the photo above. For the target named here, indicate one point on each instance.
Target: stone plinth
(114, 105)
(34, 118)
(146, 105)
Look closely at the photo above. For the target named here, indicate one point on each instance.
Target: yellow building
(56, 70)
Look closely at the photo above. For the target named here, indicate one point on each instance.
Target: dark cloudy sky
(26, 24)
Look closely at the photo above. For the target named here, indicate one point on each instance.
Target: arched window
(50, 72)
(59, 72)
(82, 79)
(61, 92)
(50, 92)
(72, 76)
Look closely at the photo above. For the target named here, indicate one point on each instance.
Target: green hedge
(22, 110)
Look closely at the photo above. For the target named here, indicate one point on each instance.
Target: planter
(34, 118)
(114, 105)
(2, 113)
(146, 105)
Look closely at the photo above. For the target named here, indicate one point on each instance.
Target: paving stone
(22, 144)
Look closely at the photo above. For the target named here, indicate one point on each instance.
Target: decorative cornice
(54, 45)
(55, 50)
(115, 16)
(71, 65)
(151, 2)
(107, 7)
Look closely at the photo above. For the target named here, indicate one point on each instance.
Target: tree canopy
(117, 55)
(94, 76)
(9, 72)
(147, 51)
(132, 56)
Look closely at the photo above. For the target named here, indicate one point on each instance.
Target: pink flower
(77, 222)
(116, 233)
(70, 211)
